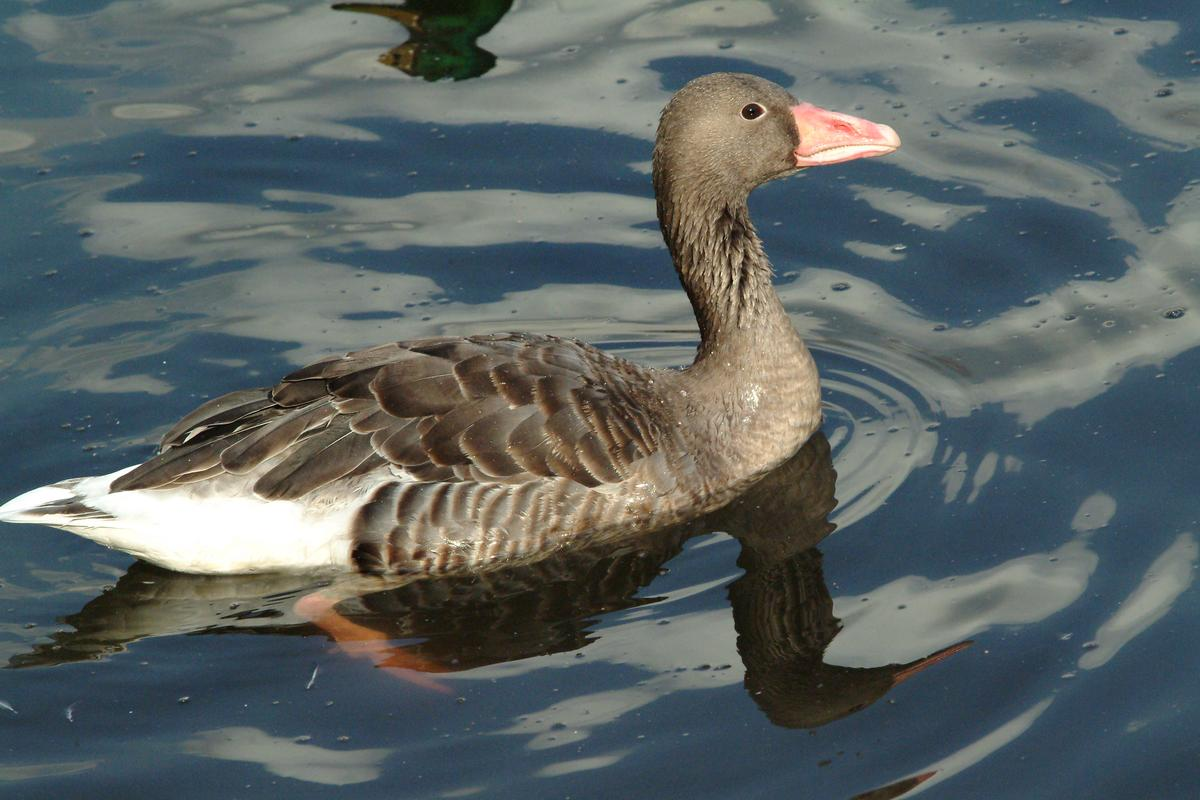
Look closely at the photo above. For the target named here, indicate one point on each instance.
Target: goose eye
(752, 111)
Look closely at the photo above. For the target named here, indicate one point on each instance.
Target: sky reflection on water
(207, 194)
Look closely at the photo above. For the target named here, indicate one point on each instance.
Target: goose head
(725, 133)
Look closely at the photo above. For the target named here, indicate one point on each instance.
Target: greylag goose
(456, 454)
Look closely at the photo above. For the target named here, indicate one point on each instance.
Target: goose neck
(725, 272)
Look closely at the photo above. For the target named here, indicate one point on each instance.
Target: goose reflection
(782, 609)
(442, 35)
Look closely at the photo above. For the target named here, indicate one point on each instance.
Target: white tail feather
(18, 509)
(194, 528)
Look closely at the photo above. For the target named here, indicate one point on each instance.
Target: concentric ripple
(883, 404)
(879, 421)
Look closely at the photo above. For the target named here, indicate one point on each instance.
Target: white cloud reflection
(287, 757)
(913, 209)
(581, 764)
(669, 654)
(912, 616)
(207, 233)
(12, 773)
(1167, 578)
(981, 748)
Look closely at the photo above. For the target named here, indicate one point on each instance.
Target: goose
(451, 455)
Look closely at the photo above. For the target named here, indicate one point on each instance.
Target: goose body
(453, 454)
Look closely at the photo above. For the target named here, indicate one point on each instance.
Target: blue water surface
(199, 197)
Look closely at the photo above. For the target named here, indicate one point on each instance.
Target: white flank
(203, 528)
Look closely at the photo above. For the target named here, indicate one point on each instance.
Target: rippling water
(201, 196)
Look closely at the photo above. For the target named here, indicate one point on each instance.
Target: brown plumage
(501, 434)
(448, 454)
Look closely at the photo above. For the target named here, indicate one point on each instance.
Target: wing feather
(508, 410)
(485, 442)
(442, 442)
(416, 388)
(170, 465)
(218, 412)
(270, 440)
(321, 459)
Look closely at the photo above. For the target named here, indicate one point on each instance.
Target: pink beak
(827, 137)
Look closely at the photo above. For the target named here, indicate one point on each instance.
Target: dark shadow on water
(782, 608)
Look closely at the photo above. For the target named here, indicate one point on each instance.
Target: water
(201, 196)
